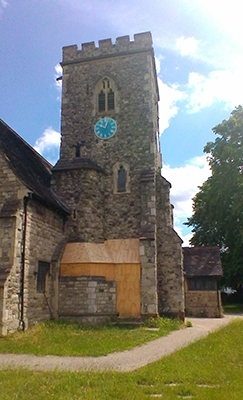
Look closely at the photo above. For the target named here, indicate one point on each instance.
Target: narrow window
(106, 96)
(101, 101)
(43, 270)
(74, 214)
(121, 183)
(77, 150)
(111, 100)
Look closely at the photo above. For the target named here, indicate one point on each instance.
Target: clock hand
(107, 120)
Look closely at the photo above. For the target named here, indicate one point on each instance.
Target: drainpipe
(218, 299)
(22, 267)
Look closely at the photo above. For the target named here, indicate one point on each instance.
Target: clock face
(105, 128)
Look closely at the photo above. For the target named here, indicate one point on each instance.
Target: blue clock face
(105, 128)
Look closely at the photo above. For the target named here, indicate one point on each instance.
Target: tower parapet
(123, 44)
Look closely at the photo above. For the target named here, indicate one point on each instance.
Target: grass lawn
(233, 308)
(210, 369)
(62, 338)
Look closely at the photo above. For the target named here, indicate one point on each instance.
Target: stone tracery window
(106, 95)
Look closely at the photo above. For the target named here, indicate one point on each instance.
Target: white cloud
(158, 63)
(48, 145)
(227, 16)
(185, 181)
(170, 96)
(218, 86)
(201, 91)
(184, 236)
(3, 3)
(58, 83)
(187, 46)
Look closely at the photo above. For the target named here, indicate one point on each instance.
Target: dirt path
(128, 360)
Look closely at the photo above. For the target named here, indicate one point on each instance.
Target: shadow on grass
(233, 308)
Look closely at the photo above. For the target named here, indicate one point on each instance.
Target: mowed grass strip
(233, 308)
(66, 339)
(210, 369)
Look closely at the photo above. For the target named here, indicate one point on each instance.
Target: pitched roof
(77, 163)
(202, 261)
(29, 166)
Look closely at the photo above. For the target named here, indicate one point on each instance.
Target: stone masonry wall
(130, 65)
(45, 229)
(10, 186)
(142, 41)
(83, 192)
(12, 192)
(170, 267)
(10, 248)
(86, 296)
(203, 304)
(148, 251)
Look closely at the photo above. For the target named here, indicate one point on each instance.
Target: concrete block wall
(86, 296)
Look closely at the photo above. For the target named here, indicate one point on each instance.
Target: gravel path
(128, 360)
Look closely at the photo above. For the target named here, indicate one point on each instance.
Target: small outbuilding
(202, 269)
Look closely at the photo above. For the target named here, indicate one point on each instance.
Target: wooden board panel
(122, 251)
(107, 270)
(127, 277)
(85, 253)
(128, 290)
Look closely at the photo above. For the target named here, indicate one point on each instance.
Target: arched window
(106, 96)
(121, 177)
(121, 180)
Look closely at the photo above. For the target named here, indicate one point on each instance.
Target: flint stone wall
(148, 248)
(170, 263)
(130, 65)
(83, 192)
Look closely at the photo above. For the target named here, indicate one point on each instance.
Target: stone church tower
(109, 171)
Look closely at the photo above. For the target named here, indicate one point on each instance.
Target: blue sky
(199, 54)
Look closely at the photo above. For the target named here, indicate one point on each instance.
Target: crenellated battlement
(123, 44)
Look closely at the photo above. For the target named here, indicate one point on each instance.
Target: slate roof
(77, 163)
(29, 166)
(202, 261)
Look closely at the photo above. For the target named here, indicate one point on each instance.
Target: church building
(91, 237)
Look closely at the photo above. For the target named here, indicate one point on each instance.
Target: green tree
(218, 206)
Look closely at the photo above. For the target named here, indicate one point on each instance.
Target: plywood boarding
(127, 277)
(85, 253)
(123, 251)
(89, 269)
(128, 290)
(117, 260)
